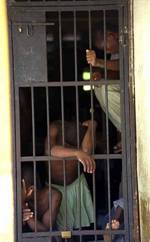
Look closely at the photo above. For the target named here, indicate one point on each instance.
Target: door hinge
(123, 38)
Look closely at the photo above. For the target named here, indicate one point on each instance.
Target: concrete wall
(141, 24)
(6, 183)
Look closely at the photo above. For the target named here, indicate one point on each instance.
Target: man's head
(112, 44)
(70, 133)
(27, 173)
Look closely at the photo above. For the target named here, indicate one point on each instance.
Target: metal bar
(32, 23)
(103, 3)
(45, 158)
(66, 84)
(14, 148)
(75, 44)
(49, 160)
(107, 117)
(127, 181)
(35, 196)
(92, 108)
(62, 110)
(130, 194)
(49, 152)
(74, 232)
(33, 120)
(33, 137)
(77, 115)
(123, 126)
(18, 168)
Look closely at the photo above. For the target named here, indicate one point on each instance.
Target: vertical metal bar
(18, 153)
(129, 140)
(62, 109)
(35, 196)
(61, 74)
(125, 129)
(49, 160)
(14, 156)
(49, 153)
(92, 118)
(107, 124)
(123, 132)
(76, 78)
(91, 91)
(34, 162)
(75, 44)
(77, 114)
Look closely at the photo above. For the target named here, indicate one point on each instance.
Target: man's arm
(112, 65)
(27, 218)
(89, 137)
(40, 226)
(64, 152)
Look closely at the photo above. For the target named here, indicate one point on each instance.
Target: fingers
(89, 165)
(107, 226)
(24, 186)
(27, 214)
(118, 148)
(115, 224)
(83, 163)
(90, 57)
(86, 123)
(87, 161)
(30, 191)
(96, 76)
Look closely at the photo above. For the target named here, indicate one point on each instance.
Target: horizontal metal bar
(46, 158)
(33, 23)
(102, 3)
(73, 232)
(66, 83)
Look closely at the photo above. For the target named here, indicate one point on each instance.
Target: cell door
(70, 78)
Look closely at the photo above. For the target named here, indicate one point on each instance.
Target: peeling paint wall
(141, 24)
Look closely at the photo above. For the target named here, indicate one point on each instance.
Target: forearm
(60, 151)
(112, 65)
(88, 140)
(86, 160)
(40, 226)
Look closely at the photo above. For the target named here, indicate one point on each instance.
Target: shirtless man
(75, 183)
(43, 222)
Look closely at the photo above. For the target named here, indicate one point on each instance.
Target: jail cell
(71, 116)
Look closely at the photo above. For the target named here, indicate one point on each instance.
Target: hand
(87, 161)
(89, 124)
(118, 148)
(91, 57)
(96, 76)
(26, 213)
(26, 192)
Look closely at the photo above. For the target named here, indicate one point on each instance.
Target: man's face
(112, 42)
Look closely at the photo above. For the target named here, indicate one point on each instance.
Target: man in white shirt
(112, 65)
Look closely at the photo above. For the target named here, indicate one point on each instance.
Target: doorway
(53, 82)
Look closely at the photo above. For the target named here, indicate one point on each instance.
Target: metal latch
(66, 234)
